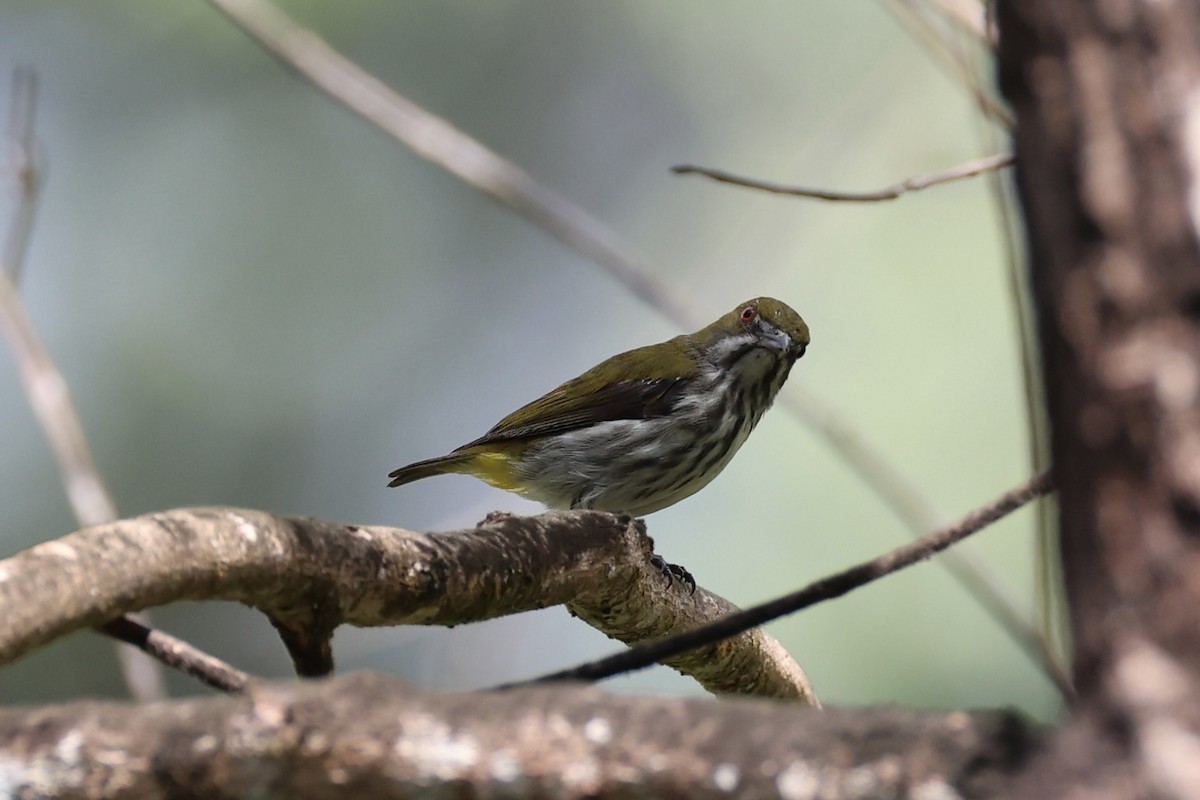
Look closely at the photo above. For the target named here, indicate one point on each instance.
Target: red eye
(748, 314)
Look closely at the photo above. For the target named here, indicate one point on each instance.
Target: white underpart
(633, 448)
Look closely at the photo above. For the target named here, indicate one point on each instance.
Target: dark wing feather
(566, 409)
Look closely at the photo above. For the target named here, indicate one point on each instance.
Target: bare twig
(828, 588)
(309, 576)
(967, 170)
(435, 139)
(926, 25)
(1049, 643)
(51, 401)
(24, 173)
(1051, 603)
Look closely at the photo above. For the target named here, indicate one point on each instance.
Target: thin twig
(1051, 647)
(24, 172)
(176, 653)
(836, 585)
(967, 170)
(946, 46)
(51, 401)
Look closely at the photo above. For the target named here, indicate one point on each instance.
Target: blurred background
(260, 300)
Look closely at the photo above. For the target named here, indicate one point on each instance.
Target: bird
(644, 429)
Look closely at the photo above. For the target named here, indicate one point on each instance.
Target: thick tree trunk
(1107, 102)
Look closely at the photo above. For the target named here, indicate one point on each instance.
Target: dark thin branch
(825, 589)
(178, 654)
(967, 170)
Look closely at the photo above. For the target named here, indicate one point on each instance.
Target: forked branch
(309, 576)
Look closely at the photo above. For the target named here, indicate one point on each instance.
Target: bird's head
(760, 324)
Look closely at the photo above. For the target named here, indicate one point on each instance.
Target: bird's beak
(775, 339)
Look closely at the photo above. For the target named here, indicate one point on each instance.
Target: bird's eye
(748, 314)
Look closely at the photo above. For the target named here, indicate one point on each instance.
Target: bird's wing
(572, 406)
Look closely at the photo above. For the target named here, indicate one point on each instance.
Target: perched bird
(644, 429)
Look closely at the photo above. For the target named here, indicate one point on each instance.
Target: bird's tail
(454, 462)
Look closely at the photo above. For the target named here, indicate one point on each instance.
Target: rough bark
(371, 736)
(309, 576)
(1107, 101)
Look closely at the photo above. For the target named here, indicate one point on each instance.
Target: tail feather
(454, 462)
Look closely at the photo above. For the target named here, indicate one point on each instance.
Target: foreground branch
(309, 576)
(370, 736)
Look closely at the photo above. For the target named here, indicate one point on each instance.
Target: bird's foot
(673, 572)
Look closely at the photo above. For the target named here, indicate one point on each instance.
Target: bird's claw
(673, 572)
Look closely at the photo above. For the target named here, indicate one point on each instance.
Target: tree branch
(367, 735)
(309, 576)
(967, 170)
